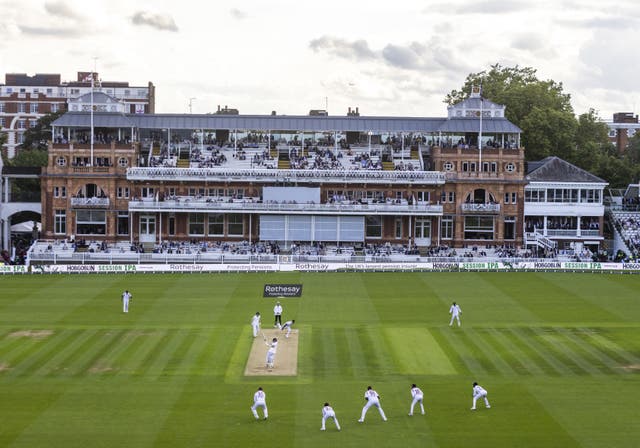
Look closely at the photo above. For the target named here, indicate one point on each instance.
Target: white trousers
(259, 404)
(370, 403)
(483, 396)
(271, 357)
(454, 316)
(417, 399)
(328, 416)
(256, 329)
(125, 305)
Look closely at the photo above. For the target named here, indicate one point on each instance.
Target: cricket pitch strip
(286, 362)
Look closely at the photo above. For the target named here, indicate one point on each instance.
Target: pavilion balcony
(252, 206)
(295, 176)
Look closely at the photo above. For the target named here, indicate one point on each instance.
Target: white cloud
(161, 22)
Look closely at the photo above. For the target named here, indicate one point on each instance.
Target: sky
(391, 58)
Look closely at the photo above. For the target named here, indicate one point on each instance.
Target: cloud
(157, 21)
(49, 31)
(60, 9)
(528, 41)
(492, 7)
(416, 56)
(358, 49)
(237, 14)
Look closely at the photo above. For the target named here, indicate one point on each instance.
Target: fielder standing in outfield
(287, 326)
(455, 312)
(271, 353)
(373, 399)
(417, 395)
(328, 412)
(260, 401)
(479, 392)
(255, 324)
(126, 298)
(277, 314)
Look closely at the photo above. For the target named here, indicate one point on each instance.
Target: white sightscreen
(351, 228)
(311, 228)
(299, 228)
(272, 228)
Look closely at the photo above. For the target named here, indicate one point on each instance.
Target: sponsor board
(13, 269)
(282, 290)
(320, 267)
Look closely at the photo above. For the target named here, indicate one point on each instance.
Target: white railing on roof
(275, 175)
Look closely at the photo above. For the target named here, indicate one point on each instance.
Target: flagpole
(91, 161)
(480, 135)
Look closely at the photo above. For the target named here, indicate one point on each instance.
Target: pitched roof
(554, 169)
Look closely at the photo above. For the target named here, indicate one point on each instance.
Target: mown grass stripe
(20, 350)
(576, 354)
(507, 352)
(165, 356)
(485, 358)
(153, 352)
(88, 362)
(356, 353)
(194, 352)
(205, 361)
(139, 358)
(376, 359)
(612, 348)
(543, 357)
(181, 355)
(127, 352)
(57, 361)
(343, 355)
(522, 360)
(67, 363)
(480, 339)
(601, 360)
(454, 357)
(41, 354)
(464, 351)
(548, 338)
(328, 353)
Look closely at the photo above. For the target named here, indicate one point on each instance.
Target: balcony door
(147, 229)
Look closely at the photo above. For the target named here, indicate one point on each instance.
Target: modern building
(24, 99)
(455, 181)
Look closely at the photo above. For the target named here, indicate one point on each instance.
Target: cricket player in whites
(328, 412)
(271, 353)
(417, 395)
(287, 326)
(126, 298)
(479, 392)
(255, 324)
(373, 399)
(260, 401)
(455, 312)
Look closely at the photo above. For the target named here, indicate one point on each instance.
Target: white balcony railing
(275, 175)
(198, 205)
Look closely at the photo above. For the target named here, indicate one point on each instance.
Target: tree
(29, 157)
(540, 108)
(38, 136)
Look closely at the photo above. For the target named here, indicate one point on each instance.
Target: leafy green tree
(29, 157)
(38, 136)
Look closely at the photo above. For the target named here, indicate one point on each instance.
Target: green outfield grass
(558, 353)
